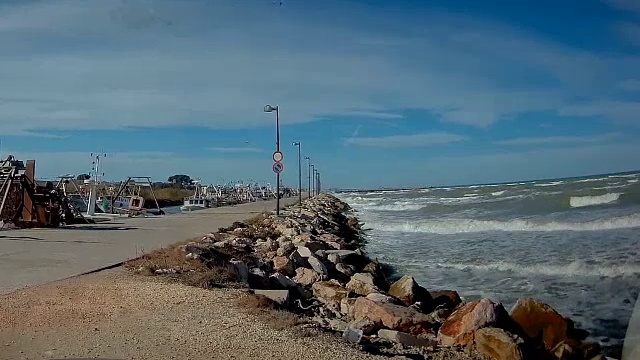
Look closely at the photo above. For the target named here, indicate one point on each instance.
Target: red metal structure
(27, 204)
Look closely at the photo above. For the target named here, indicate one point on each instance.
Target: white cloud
(560, 140)
(215, 64)
(398, 141)
(236, 149)
(623, 111)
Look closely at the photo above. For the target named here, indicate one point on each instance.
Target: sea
(571, 243)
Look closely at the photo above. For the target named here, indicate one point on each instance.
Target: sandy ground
(116, 315)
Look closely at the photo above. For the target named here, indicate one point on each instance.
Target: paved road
(35, 256)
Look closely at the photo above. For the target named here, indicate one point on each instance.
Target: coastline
(312, 263)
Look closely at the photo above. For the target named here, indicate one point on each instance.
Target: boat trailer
(27, 204)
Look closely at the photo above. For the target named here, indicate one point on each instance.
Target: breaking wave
(582, 201)
(457, 226)
(575, 268)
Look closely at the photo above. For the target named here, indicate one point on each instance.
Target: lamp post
(318, 184)
(268, 109)
(297, 143)
(309, 174)
(313, 182)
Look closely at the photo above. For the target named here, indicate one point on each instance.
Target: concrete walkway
(35, 256)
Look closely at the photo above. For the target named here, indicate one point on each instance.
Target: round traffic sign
(277, 156)
(278, 167)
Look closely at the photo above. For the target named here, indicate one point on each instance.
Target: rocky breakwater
(311, 261)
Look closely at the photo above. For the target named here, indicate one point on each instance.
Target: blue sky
(380, 93)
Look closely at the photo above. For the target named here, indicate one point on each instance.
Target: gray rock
(407, 339)
(304, 251)
(352, 335)
(345, 269)
(317, 265)
(240, 269)
(283, 280)
(278, 296)
(367, 326)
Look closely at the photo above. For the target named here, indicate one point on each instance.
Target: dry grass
(268, 312)
(171, 257)
(171, 194)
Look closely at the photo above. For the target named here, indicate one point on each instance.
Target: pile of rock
(311, 260)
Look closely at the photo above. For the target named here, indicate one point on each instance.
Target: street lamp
(309, 176)
(313, 176)
(297, 143)
(268, 109)
(318, 183)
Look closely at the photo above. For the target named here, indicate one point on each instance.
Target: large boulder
(330, 293)
(283, 265)
(409, 292)
(306, 277)
(394, 317)
(539, 319)
(362, 284)
(446, 298)
(317, 265)
(459, 328)
(498, 344)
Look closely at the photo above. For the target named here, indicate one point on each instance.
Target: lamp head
(269, 108)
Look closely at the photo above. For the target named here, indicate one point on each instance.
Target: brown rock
(347, 306)
(393, 316)
(409, 292)
(447, 298)
(590, 350)
(335, 245)
(315, 245)
(362, 284)
(283, 265)
(568, 350)
(367, 326)
(285, 249)
(330, 293)
(346, 270)
(498, 344)
(306, 276)
(460, 327)
(535, 318)
(301, 239)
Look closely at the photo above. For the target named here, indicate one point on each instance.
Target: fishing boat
(199, 200)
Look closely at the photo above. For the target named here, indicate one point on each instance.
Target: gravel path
(114, 315)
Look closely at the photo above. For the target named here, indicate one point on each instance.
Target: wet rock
(409, 292)
(590, 350)
(393, 316)
(306, 277)
(362, 284)
(460, 327)
(446, 298)
(283, 265)
(498, 344)
(537, 318)
(407, 339)
(329, 293)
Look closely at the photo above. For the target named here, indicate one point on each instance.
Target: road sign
(277, 156)
(278, 167)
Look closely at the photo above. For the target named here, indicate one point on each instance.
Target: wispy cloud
(560, 140)
(397, 141)
(236, 149)
(630, 85)
(160, 64)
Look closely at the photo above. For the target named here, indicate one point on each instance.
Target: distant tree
(83, 177)
(180, 180)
